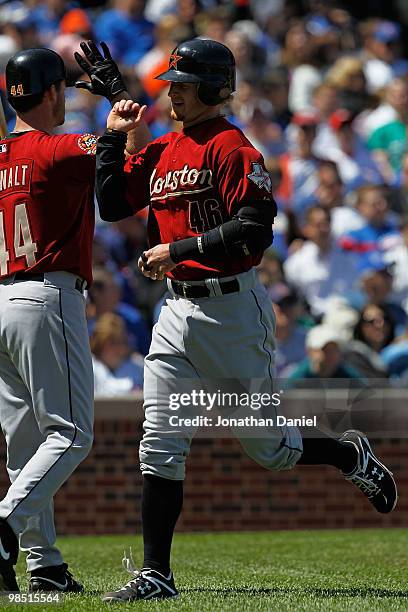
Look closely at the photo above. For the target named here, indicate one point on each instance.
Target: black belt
(199, 291)
(80, 284)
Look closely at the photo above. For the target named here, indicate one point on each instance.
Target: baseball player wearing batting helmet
(46, 381)
(210, 219)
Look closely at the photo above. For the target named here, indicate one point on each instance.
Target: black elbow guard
(245, 238)
(261, 212)
(265, 239)
(255, 232)
(235, 237)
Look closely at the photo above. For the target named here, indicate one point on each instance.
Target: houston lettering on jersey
(177, 182)
(198, 179)
(15, 176)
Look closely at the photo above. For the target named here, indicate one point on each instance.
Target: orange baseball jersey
(198, 179)
(47, 212)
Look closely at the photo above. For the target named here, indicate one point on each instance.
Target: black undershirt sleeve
(110, 176)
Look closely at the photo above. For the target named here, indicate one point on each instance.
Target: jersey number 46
(204, 215)
(22, 240)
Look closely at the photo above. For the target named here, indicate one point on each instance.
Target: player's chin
(176, 114)
(61, 120)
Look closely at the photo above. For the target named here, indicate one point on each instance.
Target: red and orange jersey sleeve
(74, 155)
(242, 178)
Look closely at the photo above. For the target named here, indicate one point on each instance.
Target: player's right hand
(105, 77)
(125, 116)
(156, 262)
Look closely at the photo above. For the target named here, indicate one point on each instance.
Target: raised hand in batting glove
(105, 77)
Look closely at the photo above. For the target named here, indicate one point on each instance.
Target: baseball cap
(339, 118)
(387, 31)
(305, 118)
(320, 335)
(341, 316)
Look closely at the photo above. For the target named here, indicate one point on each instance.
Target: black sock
(50, 571)
(162, 501)
(329, 451)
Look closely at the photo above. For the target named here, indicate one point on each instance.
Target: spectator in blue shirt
(104, 296)
(125, 30)
(290, 335)
(379, 232)
(116, 370)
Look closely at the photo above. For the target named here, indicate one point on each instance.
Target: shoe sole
(55, 591)
(364, 437)
(119, 600)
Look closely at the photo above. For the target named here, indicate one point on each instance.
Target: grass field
(310, 570)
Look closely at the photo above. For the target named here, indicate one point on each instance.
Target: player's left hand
(105, 77)
(155, 262)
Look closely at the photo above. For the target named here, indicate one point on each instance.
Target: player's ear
(196, 91)
(48, 97)
(51, 93)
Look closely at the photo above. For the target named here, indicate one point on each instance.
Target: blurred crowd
(322, 92)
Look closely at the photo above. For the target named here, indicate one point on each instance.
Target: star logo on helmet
(174, 58)
(260, 177)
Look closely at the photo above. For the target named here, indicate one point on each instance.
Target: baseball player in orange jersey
(46, 381)
(210, 219)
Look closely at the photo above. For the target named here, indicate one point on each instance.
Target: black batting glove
(105, 77)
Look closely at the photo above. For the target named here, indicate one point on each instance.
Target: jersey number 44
(22, 241)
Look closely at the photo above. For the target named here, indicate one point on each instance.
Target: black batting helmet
(33, 71)
(206, 62)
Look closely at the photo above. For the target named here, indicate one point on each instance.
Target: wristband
(184, 249)
(208, 245)
(112, 131)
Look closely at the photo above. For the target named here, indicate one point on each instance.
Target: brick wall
(224, 489)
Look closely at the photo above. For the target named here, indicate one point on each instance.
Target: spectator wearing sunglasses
(374, 330)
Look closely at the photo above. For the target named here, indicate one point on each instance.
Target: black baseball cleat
(8, 557)
(54, 578)
(371, 476)
(145, 584)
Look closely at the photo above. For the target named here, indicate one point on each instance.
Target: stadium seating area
(322, 92)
